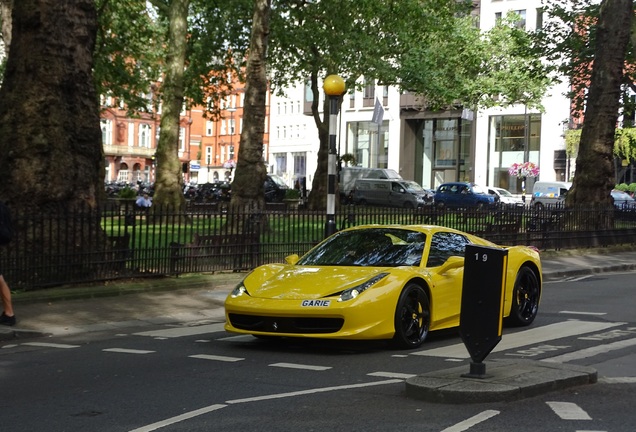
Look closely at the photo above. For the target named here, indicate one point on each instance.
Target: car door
(447, 286)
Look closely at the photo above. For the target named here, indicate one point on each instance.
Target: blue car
(463, 195)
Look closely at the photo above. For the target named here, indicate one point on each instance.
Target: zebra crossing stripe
(526, 337)
(568, 411)
(216, 357)
(50, 345)
(176, 332)
(127, 351)
(591, 352)
(300, 366)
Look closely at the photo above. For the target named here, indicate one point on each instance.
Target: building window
(181, 139)
(209, 128)
(300, 165)
(107, 131)
(522, 21)
(539, 20)
(145, 133)
(208, 156)
(508, 137)
(368, 143)
(281, 163)
(122, 176)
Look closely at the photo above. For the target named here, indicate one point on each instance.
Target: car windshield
(278, 180)
(412, 186)
(374, 247)
(504, 192)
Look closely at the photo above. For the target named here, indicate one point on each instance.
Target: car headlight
(239, 290)
(355, 291)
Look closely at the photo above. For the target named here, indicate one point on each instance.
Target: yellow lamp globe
(334, 85)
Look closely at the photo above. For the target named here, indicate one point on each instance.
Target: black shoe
(7, 320)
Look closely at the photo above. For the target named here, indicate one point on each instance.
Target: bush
(632, 188)
(622, 187)
(292, 194)
(127, 193)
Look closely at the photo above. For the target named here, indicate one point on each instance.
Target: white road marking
(183, 331)
(127, 351)
(313, 391)
(524, 338)
(618, 380)
(576, 278)
(237, 338)
(391, 375)
(474, 420)
(179, 418)
(583, 313)
(50, 345)
(218, 358)
(208, 409)
(300, 366)
(591, 352)
(568, 411)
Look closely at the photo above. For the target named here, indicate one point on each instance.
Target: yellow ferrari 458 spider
(394, 282)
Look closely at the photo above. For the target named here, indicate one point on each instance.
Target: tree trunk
(169, 181)
(319, 186)
(594, 177)
(50, 127)
(249, 178)
(49, 109)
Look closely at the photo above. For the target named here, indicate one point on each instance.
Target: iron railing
(60, 247)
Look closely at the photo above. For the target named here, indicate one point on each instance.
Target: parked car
(375, 282)
(349, 175)
(463, 195)
(623, 200)
(505, 197)
(549, 193)
(393, 193)
(275, 189)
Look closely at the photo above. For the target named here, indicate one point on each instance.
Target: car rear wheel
(525, 298)
(412, 317)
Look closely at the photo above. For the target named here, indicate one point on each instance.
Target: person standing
(7, 317)
(6, 233)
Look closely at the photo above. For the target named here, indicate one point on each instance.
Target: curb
(505, 380)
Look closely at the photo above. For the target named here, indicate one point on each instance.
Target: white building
(293, 137)
(431, 147)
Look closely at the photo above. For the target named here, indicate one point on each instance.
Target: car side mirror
(451, 263)
(292, 259)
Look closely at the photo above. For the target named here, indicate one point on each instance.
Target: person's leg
(7, 317)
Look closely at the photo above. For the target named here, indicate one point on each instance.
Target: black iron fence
(60, 247)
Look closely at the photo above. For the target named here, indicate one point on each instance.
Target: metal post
(330, 225)
(334, 88)
(526, 148)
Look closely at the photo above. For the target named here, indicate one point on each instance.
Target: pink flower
(525, 169)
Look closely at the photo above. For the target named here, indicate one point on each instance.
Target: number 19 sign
(481, 316)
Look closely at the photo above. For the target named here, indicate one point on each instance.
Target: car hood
(304, 282)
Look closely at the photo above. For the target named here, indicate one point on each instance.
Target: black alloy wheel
(412, 317)
(525, 298)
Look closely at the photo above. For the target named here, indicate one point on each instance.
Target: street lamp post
(334, 87)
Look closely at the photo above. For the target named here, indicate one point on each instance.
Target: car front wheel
(412, 317)
(525, 298)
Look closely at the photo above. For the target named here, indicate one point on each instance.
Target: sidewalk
(192, 299)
